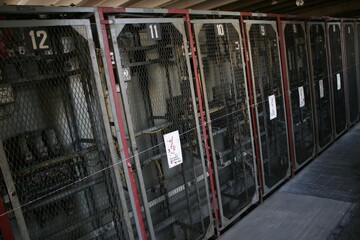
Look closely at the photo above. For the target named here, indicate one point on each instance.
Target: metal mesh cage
(337, 77)
(300, 91)
(357, 42)
(157, 90)
(350, 56)
(226, 103)
(321, 84)
(54, 154)
(269, 101)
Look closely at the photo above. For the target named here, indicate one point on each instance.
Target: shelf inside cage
(39, 78)
(150, 62)
(154, 129)
(63, 193)
(149, 47)
(54, 161)
(29, 58)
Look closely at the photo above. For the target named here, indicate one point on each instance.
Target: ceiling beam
(212, 4)
(183, 4)
(256, 6)
(334, 9)
(315, 4)
(150, 4)
(240, 4)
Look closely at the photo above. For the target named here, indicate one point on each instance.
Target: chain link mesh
(220, 56)
(321, 84)
(269, 100)
(337, 77)
(300, 92)
(159, 95)
(349, 38)
(53, 137)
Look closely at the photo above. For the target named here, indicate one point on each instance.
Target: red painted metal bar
(5, 227)
(287, 98)
(203, 124)
(252, 108)
(121, 124)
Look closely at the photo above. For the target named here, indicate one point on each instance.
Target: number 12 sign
(37, 39)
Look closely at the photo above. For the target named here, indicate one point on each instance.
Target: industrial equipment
(350, 71)
(337, 77)
(222, 71)
(300, 89)
(269, 101)
(56, 152)
(321, 84)
(163, 130)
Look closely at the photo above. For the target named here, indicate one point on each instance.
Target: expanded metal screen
(54, 154)
(357, 42)
(269, 101)
(321, 84)
(225, 95)
(300, 91)
(337, 77)
(157, 90)
(352, 88)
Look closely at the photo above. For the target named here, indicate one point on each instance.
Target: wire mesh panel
(300, 91)
(226, 103)
(321, 84)
(357, 44)
(269, 101)
(350, 69)
(157, 89)
(337, 77)
(54, 153)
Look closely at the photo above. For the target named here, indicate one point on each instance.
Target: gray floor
(321, 202)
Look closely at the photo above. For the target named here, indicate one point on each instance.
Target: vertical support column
(252, 108)
(286, 95)
(119, 125)
(5, 227)
(203, 124)
(10, 185)
(109, 139)
(345, 72)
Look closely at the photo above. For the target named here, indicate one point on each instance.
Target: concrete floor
(321, 202)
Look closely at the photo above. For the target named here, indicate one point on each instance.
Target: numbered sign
(321, 88)
(37, 39)
(301, 96)
(220, 31)
(153, 31)
(262, 30)
(338, 81)
(173, 149)
(272, 107)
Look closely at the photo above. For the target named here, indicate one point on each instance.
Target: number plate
(153, 31)
(36, 39)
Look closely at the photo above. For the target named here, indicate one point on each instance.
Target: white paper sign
(272, 107)
(321, 88)
(173, 149)
(338, 78)
(301, 96)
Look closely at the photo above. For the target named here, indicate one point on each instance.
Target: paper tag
(301, 96)
(321, 87)
(173, 149)
(272, 107)
(338, 78)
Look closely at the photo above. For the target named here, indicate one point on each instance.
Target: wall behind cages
(178, 124)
